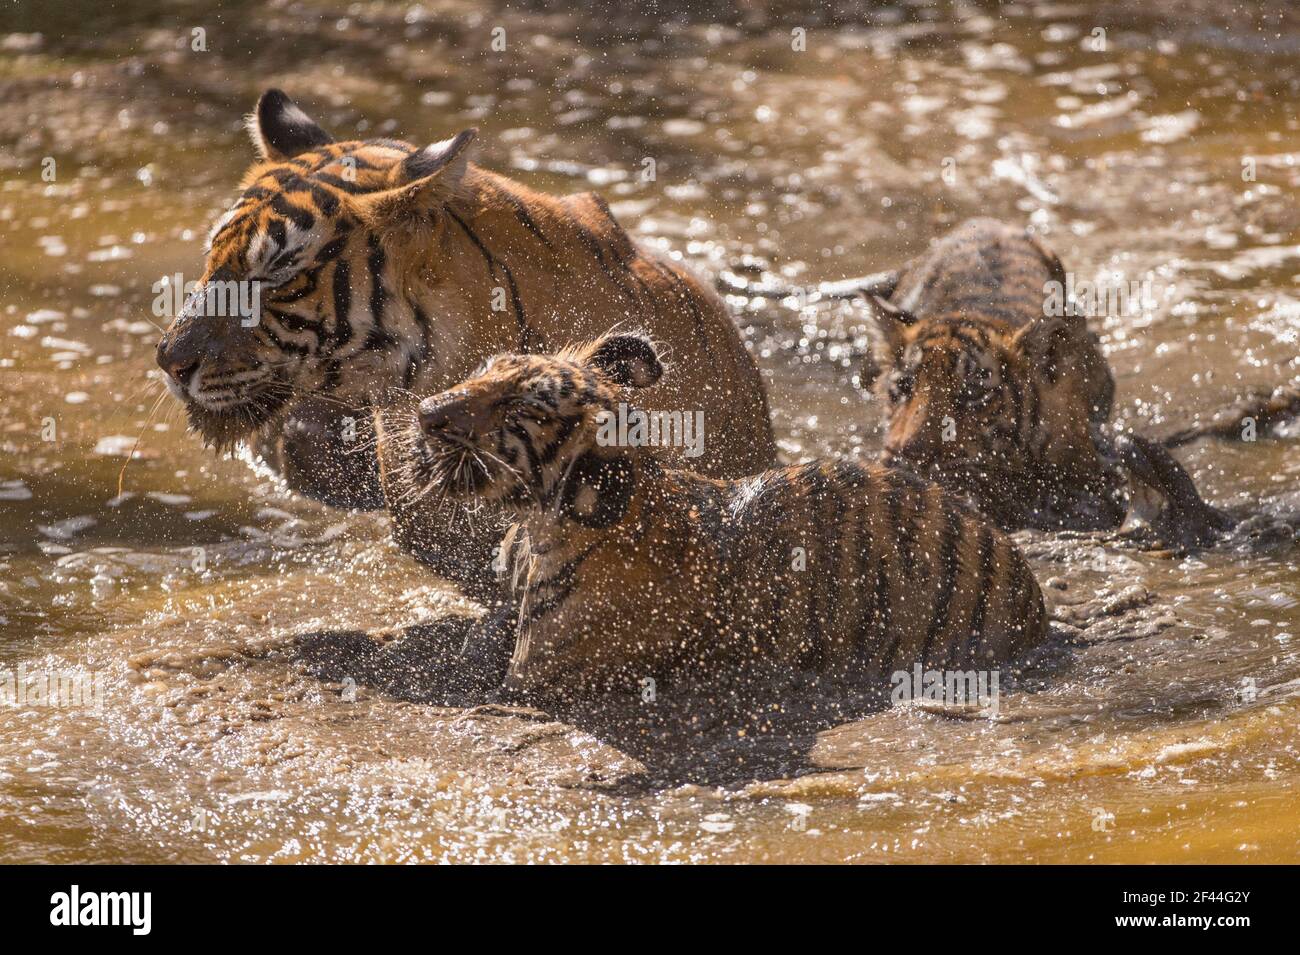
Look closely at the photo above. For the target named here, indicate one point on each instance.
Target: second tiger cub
(626, 570)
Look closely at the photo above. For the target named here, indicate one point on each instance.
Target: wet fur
(1007, 405)
(626, 570)
(392, 271)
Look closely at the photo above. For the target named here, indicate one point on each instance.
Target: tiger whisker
(121, 475)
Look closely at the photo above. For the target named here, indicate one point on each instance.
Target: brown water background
(1162, 725)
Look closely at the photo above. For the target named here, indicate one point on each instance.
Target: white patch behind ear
(630, 360)
(281, 130)
(428, 176)
(447, 160)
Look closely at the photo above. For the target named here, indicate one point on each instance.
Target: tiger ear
(428, 176)
(1041, 339)
(629, 360)
(281, 130)
(444, 162)
(887, 325)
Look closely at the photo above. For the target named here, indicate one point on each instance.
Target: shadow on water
(721, 733)
(686, 734)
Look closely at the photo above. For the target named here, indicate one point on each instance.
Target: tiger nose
(446, 414)
(176, 360)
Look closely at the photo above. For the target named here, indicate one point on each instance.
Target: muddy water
(1159, 726)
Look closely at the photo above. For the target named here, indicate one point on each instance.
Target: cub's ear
(428, 176)
(887, 325)
(280, 130)
(1042, 341)
(629, 360)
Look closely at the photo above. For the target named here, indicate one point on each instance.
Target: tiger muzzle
(449, 416)
(195, 336)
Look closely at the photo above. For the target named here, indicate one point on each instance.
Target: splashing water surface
(1162, 726)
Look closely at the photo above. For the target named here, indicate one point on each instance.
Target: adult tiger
(993, 397)
(627, 569)
(386, 270)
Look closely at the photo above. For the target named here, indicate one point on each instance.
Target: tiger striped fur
(1007, 405)
(388, 271)
(626, 569)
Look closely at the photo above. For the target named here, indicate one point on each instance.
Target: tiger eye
(978, 389)
(900, 388)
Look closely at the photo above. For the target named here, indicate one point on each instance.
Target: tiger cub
(625, 569)
(996, 396)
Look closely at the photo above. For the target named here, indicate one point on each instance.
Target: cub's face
(513, 432)
(954, 408)
(991, 412)
(294, 286)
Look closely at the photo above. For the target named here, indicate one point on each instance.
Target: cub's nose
(446, 414)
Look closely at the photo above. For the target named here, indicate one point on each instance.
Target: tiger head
(293, 284)
(989, 410)
(525, 430)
